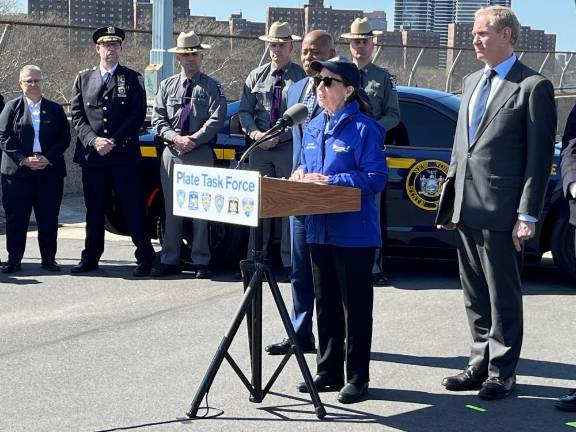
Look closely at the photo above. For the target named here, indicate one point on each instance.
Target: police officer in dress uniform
(189, 110)
(263, 102)
(108, 108)
(380, 87)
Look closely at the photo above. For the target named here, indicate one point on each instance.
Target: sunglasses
(327, 81)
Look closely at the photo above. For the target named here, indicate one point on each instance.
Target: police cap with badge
(108, 34)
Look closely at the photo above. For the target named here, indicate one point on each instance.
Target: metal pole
(162, 39)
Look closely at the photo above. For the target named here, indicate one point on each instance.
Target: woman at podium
(343, 147)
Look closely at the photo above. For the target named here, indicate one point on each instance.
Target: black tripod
(255, 271)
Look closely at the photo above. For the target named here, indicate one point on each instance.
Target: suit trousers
(490, 271)
(276, 162)
(39, 190)
(344, 300)
(171, 243)
(302, 282)
(98, 184)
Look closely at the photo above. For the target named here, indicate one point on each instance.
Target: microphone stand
(255, 270)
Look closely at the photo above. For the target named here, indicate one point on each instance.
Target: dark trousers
(490, 275)
(301, 280)
(98, 183)
(42, 191)
(344, 299)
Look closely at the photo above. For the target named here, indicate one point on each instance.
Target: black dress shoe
(380, 279)
(203, 272)
(281, 348)
(164, 270)
(51, 266)
(567, 402)
(497, 388)
(352, 393)
(322, 384)
(11, 268)
(470, 378)
(142, 269)
(84, 267)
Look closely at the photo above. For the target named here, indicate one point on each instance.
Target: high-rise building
(417, 15)
(377, 20)
(241, 26)
(48, 9)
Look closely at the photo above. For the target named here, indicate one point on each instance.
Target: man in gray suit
(497, 179)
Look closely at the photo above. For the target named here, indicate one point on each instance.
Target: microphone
(294, 115)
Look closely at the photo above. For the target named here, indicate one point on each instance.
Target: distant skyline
(557, 16)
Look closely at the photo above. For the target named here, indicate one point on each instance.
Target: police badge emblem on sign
(221, 195)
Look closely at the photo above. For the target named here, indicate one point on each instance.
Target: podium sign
(216, 194)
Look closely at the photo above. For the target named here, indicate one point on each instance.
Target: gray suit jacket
(505, 170)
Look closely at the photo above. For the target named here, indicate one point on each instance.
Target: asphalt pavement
(107, 352)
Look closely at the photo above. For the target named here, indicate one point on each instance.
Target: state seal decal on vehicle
(424, 183)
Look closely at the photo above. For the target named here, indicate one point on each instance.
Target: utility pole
(161, 61)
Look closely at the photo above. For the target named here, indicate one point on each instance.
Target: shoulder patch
(220, 90)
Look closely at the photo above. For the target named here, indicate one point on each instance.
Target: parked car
(418, 152)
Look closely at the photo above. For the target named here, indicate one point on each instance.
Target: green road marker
(476, 408)
(572, 424)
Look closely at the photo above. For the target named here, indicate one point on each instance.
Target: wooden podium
(278, 198)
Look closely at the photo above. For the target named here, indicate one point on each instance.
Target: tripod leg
(318, 405)
(222, 349)
(256, 339)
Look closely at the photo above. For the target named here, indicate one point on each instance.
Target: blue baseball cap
(340, 66)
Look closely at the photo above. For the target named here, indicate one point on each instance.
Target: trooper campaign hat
(108, 34)
(361, 29)
(188, 43)
(279, 32)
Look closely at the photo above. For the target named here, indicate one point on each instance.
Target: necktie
(186, 107)
(481, 102)
(310, 102)
(106, 78)
(276, 97)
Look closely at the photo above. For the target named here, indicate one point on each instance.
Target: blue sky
(552, 16)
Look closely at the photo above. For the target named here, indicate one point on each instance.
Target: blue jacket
(349, 151)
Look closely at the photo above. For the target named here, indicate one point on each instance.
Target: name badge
(121, 89)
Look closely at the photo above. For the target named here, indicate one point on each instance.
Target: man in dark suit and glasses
(568, 170)
(108, 108)
(501, 161)
(34, 134)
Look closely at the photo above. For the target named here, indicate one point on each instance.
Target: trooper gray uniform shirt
(207, 116)
(380, 86)
(254, 113)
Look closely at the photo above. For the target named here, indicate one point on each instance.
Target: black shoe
(142, 269)
(164, 270)
(84, 267)
(567, 402)
(281, 348)
(51, 266)
(322, 384)
(380, 280)
(11, 268)
(203, 272)
(497, 388)
(286, 275)
(352, 393)
(469, 379)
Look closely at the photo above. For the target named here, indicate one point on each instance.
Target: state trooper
(263, 102)
(380, 87)
(108, 108)
(189, 110)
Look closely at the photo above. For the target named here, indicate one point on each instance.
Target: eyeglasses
(31, 81)
(327, 81)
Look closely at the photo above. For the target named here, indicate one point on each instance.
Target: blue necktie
(310, 102)
(480, 107)
(106, 78)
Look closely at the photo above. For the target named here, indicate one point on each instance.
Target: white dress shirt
(34, 108)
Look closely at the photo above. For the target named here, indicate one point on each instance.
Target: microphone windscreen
(296, 114)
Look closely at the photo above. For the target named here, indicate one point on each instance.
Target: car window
(425, 126)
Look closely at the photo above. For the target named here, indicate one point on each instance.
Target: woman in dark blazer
(34, 134)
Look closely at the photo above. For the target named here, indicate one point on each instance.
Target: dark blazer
(505, 170)
(17, 136)
(568, 161)
(117, 111)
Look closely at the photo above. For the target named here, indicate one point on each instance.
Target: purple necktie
(186, 107)
(276, 97)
